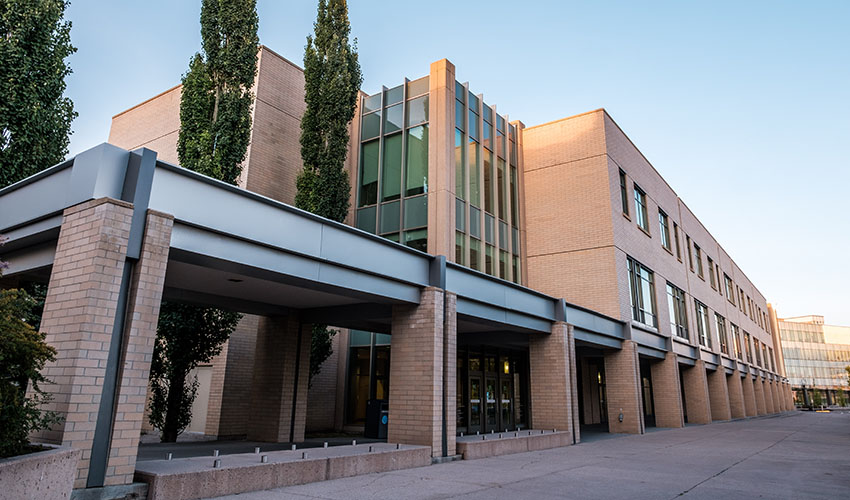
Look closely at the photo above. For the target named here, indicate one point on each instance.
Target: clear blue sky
(744, 107)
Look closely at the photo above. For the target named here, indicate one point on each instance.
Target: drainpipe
(438, 279)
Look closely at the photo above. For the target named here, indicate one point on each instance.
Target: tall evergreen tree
(332, 81)
(215, 128)
(35, 120)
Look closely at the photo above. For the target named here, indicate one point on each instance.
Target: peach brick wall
(758, 391)
(622, 386)
(768, 396)
(736, 395)
(552, 388)
(153, 124)
(322, 396)
(274, 380)
(666, 395)
(416, 378)
(718, 393)
(750, 406)
(696, 393)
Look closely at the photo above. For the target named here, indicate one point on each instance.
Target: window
(736, 337)
(741, 301)
(703, 328)
(664, 229)
(747, 347)
(642, 292)
(721, 333)
(678, 314)
(640, 209)
(698, 257)
(676, 237)
(624, 198)
(730, 290)
(766, 363)
(717, 277)
(690, 255)
(758, 351)
(772, 361)
(711, 276)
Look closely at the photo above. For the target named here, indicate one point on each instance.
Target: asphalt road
(797, 455)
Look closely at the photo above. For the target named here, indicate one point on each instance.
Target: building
(816, 357)
(549, 254)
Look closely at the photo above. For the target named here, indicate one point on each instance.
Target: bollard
(293, 447)
(500, 435)
(303, 455)
(353, 442)
(257, 450)
(461, 434)
(264, 459)
(326, 444)
(398, 446)
(168, 457)
(370, 449)
(216, 463)
(554, 430)
(215, 453)
(476, 433)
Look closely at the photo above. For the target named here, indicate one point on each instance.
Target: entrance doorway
(646, 393)
(492, 389)
(592, 397)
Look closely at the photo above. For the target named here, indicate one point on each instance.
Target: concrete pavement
(787, 456)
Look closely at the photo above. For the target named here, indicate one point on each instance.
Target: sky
(743, 107)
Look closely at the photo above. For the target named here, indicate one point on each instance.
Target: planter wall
(45, 475)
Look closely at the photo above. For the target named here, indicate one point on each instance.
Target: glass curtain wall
(392, 181)
(486, 188)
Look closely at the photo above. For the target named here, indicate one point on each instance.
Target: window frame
(664, 230)
(624, 195)
(703, 324)
(641, 209)
(677, 306)
(638, 301)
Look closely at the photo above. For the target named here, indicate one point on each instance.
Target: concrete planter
(44, 475)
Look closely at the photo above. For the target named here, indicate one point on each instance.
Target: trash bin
(377, 416)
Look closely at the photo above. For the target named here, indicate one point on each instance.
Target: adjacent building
(816, 358)
(569, 208)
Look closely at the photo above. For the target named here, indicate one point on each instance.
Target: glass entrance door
(506, 402)
(491, 423)
(474, 404)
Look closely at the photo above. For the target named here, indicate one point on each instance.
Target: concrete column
(666, 394)
(718, 394)
(229, 411)
(768, 396)
(551, 384)
(749, 395)
(441, 158)
(758, 387)
(622, 386)
(778, 400)
(83, 303)
(696, 393)
(281, 374)
(789, 395)
(737, 407)
(416, 377)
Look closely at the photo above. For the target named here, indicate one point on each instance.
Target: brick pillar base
(79, 316)
(281, 373)
(696, 393)
(789, 394)
(768, 396)
(622, 386)
(736, 395)
(666, 394)
(551, 384)
(416, 376)
(758, 390)
(777, 398)
(749, 395)
(229, 411)
(718, 394)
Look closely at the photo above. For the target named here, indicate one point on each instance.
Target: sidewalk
(789, 456)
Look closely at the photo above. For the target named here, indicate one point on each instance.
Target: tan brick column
(551, 384)
(778, 400)
(768, 396)
(416, 376)
(696, 393)
(718, 394)
(281, 374)
(79, 314)
(666, 395)
(229, 411)
(749, 395)
(622, 386)
(789, 393)
(758, 389)
(737, 408)
(441, 159)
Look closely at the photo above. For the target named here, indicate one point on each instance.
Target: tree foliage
(35, 119)
(216, 100)
(23, 353)
(332, 81)
(187, 335)
(215, 128)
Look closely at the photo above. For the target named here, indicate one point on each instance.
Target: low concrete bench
(505, 443)
(192, 478)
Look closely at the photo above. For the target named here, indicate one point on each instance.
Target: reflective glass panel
(391, 173)
(417, 239)
(460, 92)
(371, 126)
(474, 257)
(390, 213)
(393, 119)
(415, 212)
(460, 215)
(488, 181)
(460, 249)
(372, 103)
(459, 115)
(474, 175)
(417, 87)
(460, 165)
(472, 125)
(475, 222)
(366, 219)
(417, 161)
(417, 111)
(500, 186)
(368, 174)
(489, 228)
(394, 95)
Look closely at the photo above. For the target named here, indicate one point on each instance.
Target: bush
(23, 353)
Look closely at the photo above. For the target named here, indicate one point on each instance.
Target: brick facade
(718, 394)
(697, 399)
(750, 405)
(551, 369)
(622, 385)
(666, 394)
(758, 391)
(736, 395)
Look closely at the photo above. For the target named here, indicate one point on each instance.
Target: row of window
(695, 257)
(643, 305)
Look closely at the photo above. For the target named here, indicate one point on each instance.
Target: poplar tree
(215, 129)
(35, 119)
(332, 81)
